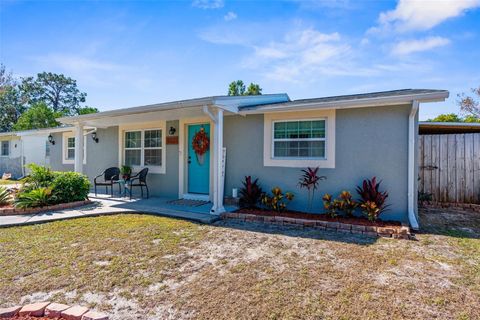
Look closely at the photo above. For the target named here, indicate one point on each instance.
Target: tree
(470, 104)
(11, 103)
(253, 90)
(450, 117)
(86, 110)
(55, 90)
(36, 117)
(237, 88)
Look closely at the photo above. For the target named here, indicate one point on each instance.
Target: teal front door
(198, 165)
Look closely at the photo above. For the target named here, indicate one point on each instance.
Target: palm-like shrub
(39, 177)
(250, 193)
(310, 180)
(35, 198)
(4, 195)
(372, 200)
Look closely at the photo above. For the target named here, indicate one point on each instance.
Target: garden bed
(388, 229)
(8, 210)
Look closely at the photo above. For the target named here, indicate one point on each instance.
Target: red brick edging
(52, 310)
(397, 232)
(16, 211)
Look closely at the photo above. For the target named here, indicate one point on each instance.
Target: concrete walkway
(104, 205)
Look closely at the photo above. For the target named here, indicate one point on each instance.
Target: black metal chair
(139, 180)
(110, 178)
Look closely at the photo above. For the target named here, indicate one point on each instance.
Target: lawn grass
(140, 267)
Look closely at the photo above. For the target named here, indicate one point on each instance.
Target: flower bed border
(52, 311)
(8, 211)
(388, 231)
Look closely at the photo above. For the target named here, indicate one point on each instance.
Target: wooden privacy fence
(449, 167)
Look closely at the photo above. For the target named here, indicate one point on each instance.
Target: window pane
(292, 130)
(47, 149)
(71, 142)
(153, 157)
(70, 154)
(153, 138)
(133, 139)
(279, 130)
(5, 148)
(299, 149)
(132, 157)
(318, 129)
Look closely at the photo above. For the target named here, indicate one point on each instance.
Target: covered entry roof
(174, 110)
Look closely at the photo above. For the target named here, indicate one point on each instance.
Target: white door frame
(183, 159)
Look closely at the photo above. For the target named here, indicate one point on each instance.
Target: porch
(159, 137)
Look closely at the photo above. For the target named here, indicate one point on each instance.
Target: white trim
(66, 135)
(183, 155)
(298, 139)
(412, 134)
(327, 162)
(157, 125)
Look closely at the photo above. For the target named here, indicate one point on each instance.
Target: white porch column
(79, 147)
(218, 179)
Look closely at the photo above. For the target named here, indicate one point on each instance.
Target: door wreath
(200, 142)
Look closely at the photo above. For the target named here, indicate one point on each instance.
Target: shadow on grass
(450, 222)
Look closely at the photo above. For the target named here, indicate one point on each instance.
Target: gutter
(412, 132)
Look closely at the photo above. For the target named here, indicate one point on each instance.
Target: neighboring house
(23, 147)
(269, 137)
(10, 154)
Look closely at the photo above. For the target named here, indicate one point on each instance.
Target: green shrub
(70, 187)
(4, 195)
(35, 198)
(39, 177)
(331, 205)
(277, 200)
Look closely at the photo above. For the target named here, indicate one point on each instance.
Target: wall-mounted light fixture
(94, 136)
(50, 139)
(172, 131)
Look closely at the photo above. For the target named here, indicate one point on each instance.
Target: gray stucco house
(270, 137)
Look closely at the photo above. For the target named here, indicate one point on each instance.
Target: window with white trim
(143, 148)
(299, 139)
(68, 148)
(5, 148)
(70, 154)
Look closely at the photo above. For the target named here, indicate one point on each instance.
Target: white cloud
(208, 4)
(411, 46)
(410, 15)
(230, 16)
(299, 54)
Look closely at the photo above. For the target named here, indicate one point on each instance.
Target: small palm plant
(4, 195)
(310, 180)
(36, 198)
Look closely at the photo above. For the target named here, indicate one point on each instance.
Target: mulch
(317, 216)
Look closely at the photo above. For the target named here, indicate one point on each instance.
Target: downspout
(22, 160)
(412, 218)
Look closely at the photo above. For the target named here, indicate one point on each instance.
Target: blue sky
(130, 53)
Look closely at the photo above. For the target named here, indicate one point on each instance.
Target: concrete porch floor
(105, 204)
